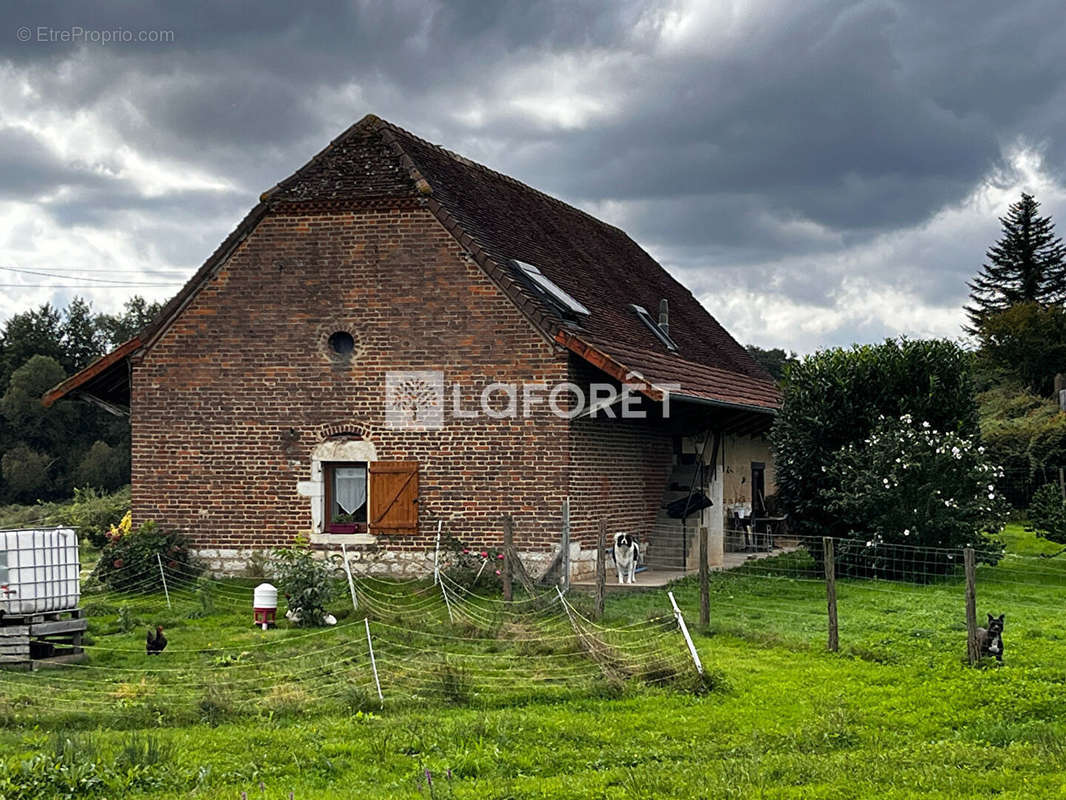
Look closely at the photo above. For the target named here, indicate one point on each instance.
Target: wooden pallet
(9, 619)
(33, 641)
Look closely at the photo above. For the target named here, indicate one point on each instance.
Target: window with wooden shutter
(346, 497)
(393, 497)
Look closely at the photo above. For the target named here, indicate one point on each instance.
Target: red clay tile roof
(358, 164)
(693, 379)
(502, 220)
(602, 268)
(499, 220)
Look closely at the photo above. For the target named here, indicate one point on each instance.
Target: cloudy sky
(818, 173)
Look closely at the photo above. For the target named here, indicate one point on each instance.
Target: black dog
(990, 639)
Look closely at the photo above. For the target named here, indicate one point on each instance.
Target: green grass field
(500, 705)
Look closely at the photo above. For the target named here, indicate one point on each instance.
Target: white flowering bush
(910, 484)
(836, 397)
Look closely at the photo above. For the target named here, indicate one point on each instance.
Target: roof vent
(554, 292)
(664, 316)
(660, 334)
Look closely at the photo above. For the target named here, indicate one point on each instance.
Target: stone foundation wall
(230, 562)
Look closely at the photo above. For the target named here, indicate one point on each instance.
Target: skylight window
(553, 290)
(653, 326)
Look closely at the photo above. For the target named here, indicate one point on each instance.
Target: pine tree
(1027, 265)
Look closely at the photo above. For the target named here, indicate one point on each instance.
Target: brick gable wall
(230, 401)
(618, 469)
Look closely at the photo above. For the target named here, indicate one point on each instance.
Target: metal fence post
(684, 632)
(373, 662)
(163, 575)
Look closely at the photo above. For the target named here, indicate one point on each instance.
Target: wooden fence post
(508, 547)
(831, 592)
(566, 546)
(969, 560)
(601, 568)
(705, 588)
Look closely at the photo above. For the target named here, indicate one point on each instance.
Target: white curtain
(351, 488)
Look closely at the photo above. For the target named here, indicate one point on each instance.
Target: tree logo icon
(414, 400)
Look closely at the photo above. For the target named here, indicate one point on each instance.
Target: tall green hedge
(834, 398)
(1026, 435)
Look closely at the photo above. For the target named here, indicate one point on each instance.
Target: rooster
(156, 641)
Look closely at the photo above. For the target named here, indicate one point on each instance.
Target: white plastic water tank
(38, 571)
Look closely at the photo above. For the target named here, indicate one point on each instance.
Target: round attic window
(342, 344)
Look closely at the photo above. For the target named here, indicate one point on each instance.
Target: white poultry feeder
(265, 605)
(38, 571)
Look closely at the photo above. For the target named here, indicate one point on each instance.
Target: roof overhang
(606, 363)
(735, 417)
(105, 382)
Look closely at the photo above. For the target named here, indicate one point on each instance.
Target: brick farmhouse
(267, 400)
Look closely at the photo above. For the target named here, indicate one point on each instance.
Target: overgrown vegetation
(472, 567)
(1019, 325)
(75, 765)
(94, 513)
(308, 583)
(1026, 435)
(132, 557)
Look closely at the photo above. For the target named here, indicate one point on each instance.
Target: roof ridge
(496, 174)
(515, 182)
(371, 122)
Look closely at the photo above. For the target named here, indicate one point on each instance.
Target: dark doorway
(758, 489)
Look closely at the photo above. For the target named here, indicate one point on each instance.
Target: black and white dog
(626, 555)
(990, 639)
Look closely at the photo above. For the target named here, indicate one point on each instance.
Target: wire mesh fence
(446, 642)
(892, 600)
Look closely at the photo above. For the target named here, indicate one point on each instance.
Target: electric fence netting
(403, 642)
(451, 640)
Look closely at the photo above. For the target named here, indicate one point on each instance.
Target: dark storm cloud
(779, 133)
(29, 170)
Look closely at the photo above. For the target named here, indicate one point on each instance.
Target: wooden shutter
(393, 497)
